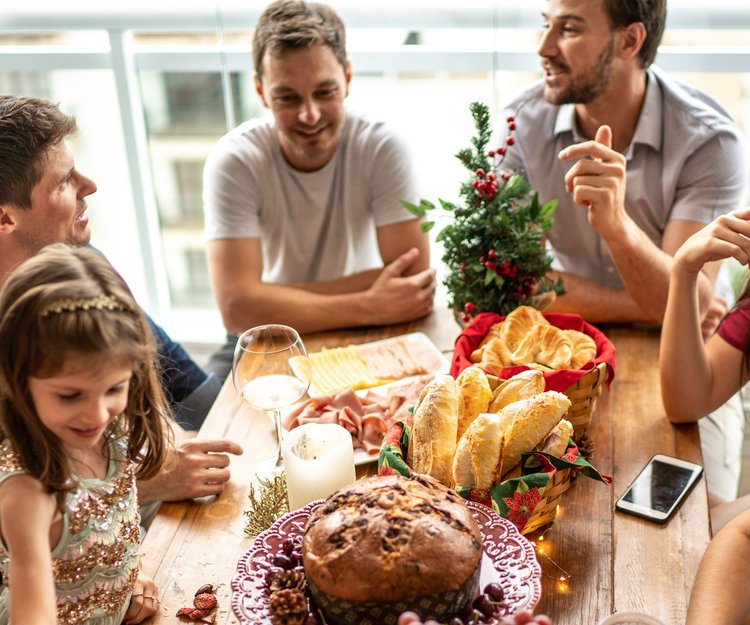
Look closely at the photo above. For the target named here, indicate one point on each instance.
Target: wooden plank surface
(655, 564)
(609, 561)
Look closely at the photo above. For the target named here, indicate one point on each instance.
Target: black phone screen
(659, 486)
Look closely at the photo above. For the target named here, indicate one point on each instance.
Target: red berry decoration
(500, 217)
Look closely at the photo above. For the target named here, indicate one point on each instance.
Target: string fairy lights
(550, 568)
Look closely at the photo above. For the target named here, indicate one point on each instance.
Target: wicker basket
(509, 496)
(583, 395)
(546, 510)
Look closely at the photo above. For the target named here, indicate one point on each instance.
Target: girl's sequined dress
(96, 561)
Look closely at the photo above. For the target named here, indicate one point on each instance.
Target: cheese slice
(337, 368)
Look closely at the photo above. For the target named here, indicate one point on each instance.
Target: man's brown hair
(653, 15)
(29, 127)
(291, 24)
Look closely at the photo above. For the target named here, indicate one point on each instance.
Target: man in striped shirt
(637, 160)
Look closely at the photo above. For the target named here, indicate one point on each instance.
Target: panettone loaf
(391, 539)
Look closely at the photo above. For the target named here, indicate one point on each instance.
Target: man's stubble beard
(591, 85)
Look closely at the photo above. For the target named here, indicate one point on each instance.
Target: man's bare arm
(594, 302)
(715, 597)
(399, 292)
(393, 241)
(645, 268)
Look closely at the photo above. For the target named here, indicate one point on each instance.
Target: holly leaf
(548, 210)
(449, 206)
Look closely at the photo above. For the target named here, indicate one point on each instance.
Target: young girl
(699, 377)
(81, 417)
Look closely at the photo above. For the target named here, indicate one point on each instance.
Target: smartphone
(659, 488)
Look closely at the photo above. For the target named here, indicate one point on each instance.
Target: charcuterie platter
(367, 387)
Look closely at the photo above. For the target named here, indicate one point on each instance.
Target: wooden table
(611, 562)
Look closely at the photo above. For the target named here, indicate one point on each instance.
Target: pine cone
(288, 607)
(288, 579)
(585, 446)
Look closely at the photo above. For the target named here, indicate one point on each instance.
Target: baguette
(521, 386)
(474, 396)
(533, 420)
(558, 439)
(477, 460)
(432, 443)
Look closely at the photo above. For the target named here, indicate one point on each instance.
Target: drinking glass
(271, 370)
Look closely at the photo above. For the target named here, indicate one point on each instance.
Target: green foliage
(494, 250)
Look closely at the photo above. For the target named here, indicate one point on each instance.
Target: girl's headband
(69, 304)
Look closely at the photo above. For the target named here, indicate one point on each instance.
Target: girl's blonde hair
(67, 310)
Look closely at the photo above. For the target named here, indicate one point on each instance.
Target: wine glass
(271, 370)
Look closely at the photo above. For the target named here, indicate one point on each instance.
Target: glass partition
(150, 93)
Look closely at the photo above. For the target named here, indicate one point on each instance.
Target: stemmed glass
(271, 370)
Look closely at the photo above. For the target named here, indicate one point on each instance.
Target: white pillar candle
(318, 461)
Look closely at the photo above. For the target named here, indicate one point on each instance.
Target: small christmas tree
(493, 246)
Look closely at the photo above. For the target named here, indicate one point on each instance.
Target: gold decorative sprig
(266, 506)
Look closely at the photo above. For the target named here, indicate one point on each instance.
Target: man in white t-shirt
(303, 216)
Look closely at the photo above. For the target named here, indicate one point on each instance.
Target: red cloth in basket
(559, 380)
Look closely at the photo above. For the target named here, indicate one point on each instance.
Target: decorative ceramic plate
(508, 559)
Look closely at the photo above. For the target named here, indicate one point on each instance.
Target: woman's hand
(144, 601)
(726, 236)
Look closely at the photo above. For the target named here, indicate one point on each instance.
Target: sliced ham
(395, 359)
(366, 418)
